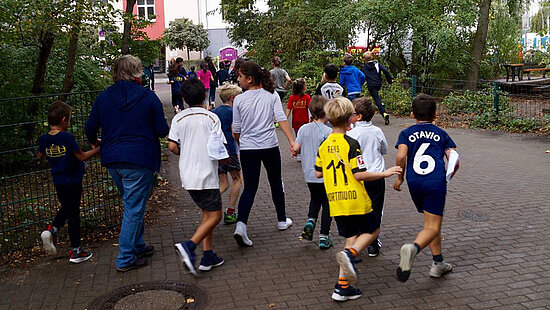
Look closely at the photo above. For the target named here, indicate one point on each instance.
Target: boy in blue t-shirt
(228, 93)
(422, 148)
(66, 158)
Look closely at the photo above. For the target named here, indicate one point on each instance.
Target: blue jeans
(134, 186)
(352, 97)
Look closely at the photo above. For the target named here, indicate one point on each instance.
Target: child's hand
(393, 170)
(397, 184)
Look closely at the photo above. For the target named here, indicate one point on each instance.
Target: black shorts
(233, 164)
(429, 195)
(355, 225)
(177, 99)
(207, 199)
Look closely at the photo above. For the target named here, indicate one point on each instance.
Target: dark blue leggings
(373, 91)
(251, 162)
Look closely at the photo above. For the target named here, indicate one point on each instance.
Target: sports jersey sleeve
(290, 102)
(383, 143)
(448, 142)
(41, 145)
(402, 139)
(356, 158)
(318, 90)
(236, 116)
(308, 101)
(318, 163)
(72, 145)
(218, 129)
(173, 135)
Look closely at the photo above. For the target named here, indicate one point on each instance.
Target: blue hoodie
(353, 78)
(132, 120)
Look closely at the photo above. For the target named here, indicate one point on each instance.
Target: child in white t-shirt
(190, 129)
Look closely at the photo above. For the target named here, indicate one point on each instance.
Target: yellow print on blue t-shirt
(56, 151)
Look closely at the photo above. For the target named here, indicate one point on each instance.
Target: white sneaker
(440, 268)
(408, 252)
(240, 235)
(48, 243)
(284, 225)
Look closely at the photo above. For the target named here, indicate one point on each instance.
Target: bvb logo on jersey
(56, 151)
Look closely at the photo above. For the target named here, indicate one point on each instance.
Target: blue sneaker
(307, 232)
(349, 293)
(207, 262)
(347, 262)
(325, 242)
(187, 256)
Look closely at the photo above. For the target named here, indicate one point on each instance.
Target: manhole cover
(473, 215)
(154, 296)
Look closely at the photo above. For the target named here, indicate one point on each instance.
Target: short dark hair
(331, 70)
(57, 111)
(317, 106)
(348, 59)
(179, 60)
(193, 92)
(424, 107)
(364, 107)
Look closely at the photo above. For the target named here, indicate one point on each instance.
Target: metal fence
(511, 102)
(28, 200)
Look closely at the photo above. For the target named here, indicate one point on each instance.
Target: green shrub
(468, 102)
(396, 97)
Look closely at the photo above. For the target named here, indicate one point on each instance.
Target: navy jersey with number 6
(426, 151)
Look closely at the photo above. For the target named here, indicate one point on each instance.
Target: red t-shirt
(299, 106)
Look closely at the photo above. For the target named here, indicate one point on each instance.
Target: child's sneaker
(187, 256)
(240, 235)
(347, 262)
(284, 225)
(349, 293)
(207, 262)
(78, 255)
(309, 227)
(325, 242)
(408, 252)
(386, 119)
(374, 249)
(49, 240)
(230, 217)
(440, 268)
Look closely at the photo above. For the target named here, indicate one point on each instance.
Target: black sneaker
(373, 250)
(207, 263)
(148, 251)
(139, 263)
(386, 119)
(186, 256)
(349, 293)
(79, 255)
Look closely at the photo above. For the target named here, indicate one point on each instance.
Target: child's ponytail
(260, 76)
(267, 81)
(298, 87)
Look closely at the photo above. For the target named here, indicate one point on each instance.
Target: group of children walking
(344, 168)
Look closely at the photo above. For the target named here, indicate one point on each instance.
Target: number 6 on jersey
(420, 157)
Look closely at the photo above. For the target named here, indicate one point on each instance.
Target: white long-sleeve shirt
(373, 145)
(253, 114)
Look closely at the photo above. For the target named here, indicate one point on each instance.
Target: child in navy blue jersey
(422, 148)
(66, 158)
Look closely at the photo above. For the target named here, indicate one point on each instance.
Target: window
(146, 9)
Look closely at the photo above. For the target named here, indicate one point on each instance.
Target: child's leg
(63, 195)
(316, 191)
(73, 212)
(224, 182)
(431, 231)
(235, 187)
(210, 220)
(251, 165)
(271, 159)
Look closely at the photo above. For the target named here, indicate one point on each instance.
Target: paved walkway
(495, 234)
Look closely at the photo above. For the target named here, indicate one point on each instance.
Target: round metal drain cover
(153, 295)
(473, 215)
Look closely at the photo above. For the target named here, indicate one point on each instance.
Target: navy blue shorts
(429, 195)
(355, 225)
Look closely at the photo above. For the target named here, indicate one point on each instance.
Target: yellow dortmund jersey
(339, 157)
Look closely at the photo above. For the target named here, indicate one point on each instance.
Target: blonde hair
(127, 68)
(368, 56)
(229, 90)
(338, 111)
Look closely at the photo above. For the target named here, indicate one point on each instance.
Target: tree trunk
(479, 44)
(68, 83)
(47, 39)
(188, 58)
(127, 26)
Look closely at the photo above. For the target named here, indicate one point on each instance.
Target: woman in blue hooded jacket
(132, 120)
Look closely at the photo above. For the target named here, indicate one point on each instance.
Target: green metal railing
(28, 201)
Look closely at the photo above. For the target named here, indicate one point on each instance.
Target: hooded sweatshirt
(132, 120)
(373, 72)
(352, 78)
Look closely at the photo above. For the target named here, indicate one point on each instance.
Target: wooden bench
(528, 71)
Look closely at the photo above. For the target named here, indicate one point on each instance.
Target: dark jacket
(132, 120)
(373, 74)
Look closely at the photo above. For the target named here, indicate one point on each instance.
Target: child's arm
(84, 156)
(373, 176)
(174, 147)
(318, 174)
(39, 155)
(287, 113)
(401, 161)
